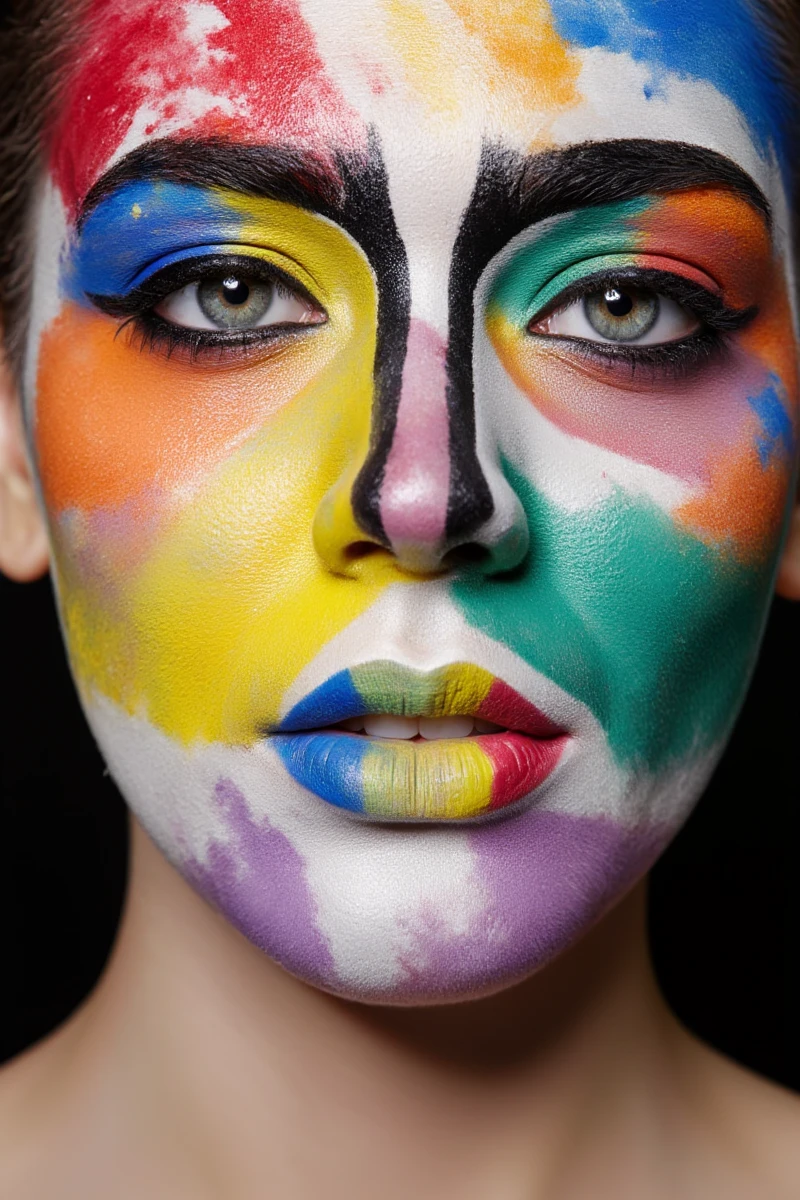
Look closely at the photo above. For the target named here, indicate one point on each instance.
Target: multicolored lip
(451, 779)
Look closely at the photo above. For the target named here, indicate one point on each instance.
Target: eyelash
(153, 333)
(675, 359)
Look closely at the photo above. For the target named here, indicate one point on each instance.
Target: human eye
(235, 300)
(640, 317)
(223, 304)
(618, 313)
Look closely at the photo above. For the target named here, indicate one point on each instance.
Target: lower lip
(447, 780)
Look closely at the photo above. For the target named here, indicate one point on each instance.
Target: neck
(234, 1070)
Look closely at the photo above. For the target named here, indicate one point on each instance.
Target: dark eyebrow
(519, 189)
(592, 173)
(513, 191)
(271, 172)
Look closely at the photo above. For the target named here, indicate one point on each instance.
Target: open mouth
(401, 744)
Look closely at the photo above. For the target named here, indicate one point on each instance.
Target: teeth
(433, 728)
(385, 726)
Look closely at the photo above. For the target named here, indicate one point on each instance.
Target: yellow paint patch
(447, 780)
(422, 47)
(529, 56)
(464, 52)
(206, 629)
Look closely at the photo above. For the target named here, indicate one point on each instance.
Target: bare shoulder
(745, 1126)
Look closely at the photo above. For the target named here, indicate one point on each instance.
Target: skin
(206, 522)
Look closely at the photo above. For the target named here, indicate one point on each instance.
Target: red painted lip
(504, 706)
(521, 763)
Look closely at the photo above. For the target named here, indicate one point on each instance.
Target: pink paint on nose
(416, 482)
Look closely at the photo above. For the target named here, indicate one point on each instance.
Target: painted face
(415, 408)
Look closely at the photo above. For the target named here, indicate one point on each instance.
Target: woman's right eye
(233, 302)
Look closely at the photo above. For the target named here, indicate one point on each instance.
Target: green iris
(233, 302)
(621, 315)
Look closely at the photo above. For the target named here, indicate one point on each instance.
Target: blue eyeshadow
(141, 227)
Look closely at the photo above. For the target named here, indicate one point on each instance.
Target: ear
(23, 541)
(788, 583)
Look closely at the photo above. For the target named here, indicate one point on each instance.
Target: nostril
(355, 551)
(469, 554)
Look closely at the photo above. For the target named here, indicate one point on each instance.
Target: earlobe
(23, 541)
(788, 583)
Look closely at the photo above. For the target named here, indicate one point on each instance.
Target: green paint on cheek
(655, 632)
(543, 268)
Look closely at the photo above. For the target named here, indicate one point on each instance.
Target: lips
(448, 779)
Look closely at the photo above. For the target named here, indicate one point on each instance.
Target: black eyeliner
(676, 359)
(701, 302)
(154, 333)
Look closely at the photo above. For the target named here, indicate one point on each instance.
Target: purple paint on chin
(257, 881)
(549, 876)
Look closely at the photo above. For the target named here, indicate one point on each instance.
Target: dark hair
(37, 40)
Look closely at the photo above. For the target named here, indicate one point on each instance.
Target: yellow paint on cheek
(233, 600)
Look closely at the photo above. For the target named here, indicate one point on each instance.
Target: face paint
(419, 503)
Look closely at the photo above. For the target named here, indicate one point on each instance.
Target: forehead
(435, 79)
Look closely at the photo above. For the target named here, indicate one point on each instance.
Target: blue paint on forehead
(140, 228)
(720, 41)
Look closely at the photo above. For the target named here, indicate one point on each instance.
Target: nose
(422, 493)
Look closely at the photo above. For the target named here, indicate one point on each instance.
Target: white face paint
(359, 450)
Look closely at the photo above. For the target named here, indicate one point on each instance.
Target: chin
(410, 912)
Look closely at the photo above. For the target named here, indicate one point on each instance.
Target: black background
(724, 906)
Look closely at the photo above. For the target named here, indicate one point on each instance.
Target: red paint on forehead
(249, 69)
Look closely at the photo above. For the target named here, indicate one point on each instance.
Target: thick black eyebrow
(270, 172)
(514, 191)
(528, 188)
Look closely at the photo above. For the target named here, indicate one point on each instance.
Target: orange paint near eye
(135, 421)
(716, 230)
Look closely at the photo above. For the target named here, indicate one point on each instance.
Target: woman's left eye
(234, 302)
(617, 313)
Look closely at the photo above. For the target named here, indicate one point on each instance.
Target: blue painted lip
(326, 763)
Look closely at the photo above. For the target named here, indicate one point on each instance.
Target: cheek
(115, 425)
(182, 504)
(727, 436)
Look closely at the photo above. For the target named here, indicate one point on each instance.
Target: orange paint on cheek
(770, 339)
(743, 505)
(113, 421)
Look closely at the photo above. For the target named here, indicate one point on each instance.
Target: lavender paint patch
(549, 876)
(257, 880)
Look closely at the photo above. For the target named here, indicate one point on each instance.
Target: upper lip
(384, 686)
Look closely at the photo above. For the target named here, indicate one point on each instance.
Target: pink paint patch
(246, 69)
(416, 484)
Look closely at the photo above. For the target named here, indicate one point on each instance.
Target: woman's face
(374, 380)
